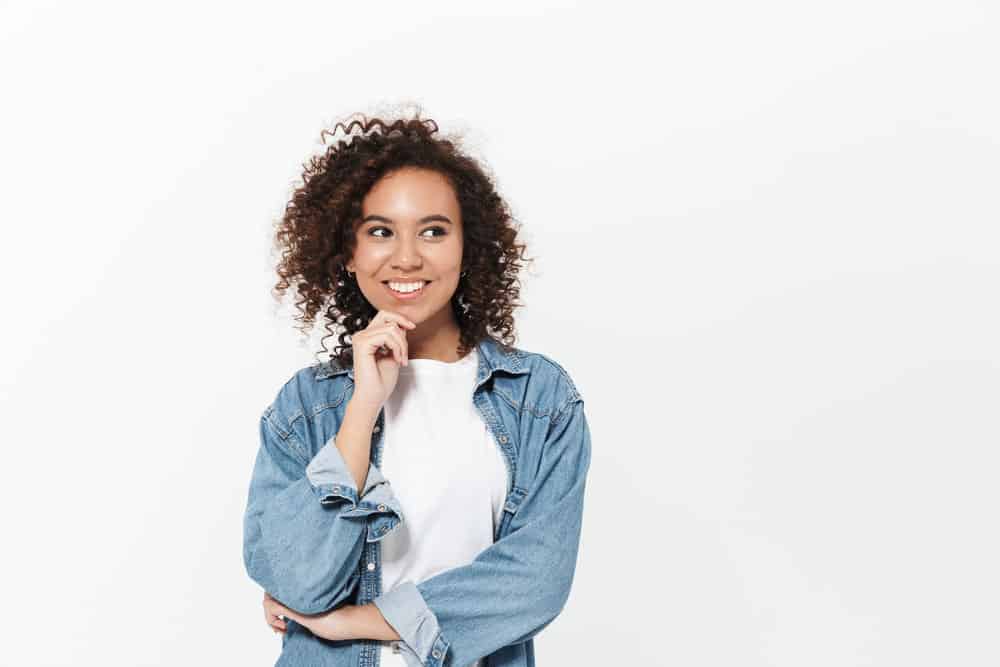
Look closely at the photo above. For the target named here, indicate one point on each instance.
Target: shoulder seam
(565, 408)
(271, 416)
(287, 438)
(574, 392)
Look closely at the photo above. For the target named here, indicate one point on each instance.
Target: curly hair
(316, 234)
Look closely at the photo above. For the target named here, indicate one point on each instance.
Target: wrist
(348, 622)
(360, 414)
(366, 622)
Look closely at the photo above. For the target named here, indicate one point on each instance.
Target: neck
(434, 340)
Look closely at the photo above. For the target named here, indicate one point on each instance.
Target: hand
(379, 350)
(271, 613)
(330, 625)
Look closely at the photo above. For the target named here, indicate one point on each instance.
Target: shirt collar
(493, 356)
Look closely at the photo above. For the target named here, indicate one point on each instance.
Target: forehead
(411, 192)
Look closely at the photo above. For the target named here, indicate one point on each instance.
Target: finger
(282, 610)
(391, 339)
(275, 622)
(272, 616)
(382, 315)
(373, 343)
(399, 335)
(273, 611)
(400, 338)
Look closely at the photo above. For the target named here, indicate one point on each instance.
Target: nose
(407, 255)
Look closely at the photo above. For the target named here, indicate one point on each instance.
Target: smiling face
(410, 231)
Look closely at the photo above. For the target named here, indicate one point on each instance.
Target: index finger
(382, 315)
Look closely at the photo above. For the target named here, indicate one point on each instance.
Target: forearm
(517, 586)
(366, 622)
(354, 442)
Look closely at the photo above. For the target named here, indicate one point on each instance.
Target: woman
(417, 499)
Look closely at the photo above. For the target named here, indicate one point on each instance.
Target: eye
(372, 230)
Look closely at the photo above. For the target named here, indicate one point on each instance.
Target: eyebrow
(437, 217)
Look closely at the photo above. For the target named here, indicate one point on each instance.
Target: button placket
(375, 549)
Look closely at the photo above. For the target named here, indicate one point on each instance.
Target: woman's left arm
(509, 593)
(347, 621)
(518, 585)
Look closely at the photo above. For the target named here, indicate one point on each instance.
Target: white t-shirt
(445, 469)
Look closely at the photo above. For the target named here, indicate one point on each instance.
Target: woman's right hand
(379, 350)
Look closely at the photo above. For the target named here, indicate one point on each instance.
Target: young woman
(417, 500)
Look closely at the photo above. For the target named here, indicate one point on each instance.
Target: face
(410, 231)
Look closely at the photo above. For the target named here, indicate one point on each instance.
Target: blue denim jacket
(313, 542)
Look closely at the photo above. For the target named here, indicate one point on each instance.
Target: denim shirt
(312, 540)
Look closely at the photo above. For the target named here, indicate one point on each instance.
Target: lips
(407, 296)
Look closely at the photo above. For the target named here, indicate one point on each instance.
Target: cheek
(369, 260)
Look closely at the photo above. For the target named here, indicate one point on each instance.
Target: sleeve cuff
(332, 482)
(406, 611)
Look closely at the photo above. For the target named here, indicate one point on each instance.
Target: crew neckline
(438, 365)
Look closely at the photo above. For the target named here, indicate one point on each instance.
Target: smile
(406, 291)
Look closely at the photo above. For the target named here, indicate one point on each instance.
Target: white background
(767, 253)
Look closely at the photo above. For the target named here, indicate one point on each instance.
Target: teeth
(406, 287)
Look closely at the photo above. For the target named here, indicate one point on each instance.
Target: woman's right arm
(306, 523)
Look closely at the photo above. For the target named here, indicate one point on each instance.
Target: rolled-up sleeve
(518, 585)
(305, 525)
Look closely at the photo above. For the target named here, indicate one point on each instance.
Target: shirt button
(377, 429)
(336, 489)
(371, 566)
(381, 508)
(436, 654)
(503, 438)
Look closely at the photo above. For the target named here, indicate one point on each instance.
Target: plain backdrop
(767, 252)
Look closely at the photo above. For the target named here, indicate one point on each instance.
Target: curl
(315, 236)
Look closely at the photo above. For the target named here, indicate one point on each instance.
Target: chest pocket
(510, 507)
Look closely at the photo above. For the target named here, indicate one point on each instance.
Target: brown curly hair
(316, 235)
